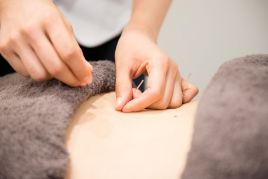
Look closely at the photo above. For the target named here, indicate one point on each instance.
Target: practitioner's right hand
(38, 41)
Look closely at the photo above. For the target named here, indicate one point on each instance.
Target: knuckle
(49, 18)
(55, 70)
(14, 38)
(164, 61)
(27, 29)
(4, 48)
(70, 53)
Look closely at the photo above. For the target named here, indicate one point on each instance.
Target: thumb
(123, 88)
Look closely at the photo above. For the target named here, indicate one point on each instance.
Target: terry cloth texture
(34, 117)
(230, 138)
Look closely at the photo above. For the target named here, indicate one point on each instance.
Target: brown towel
(230, 138)
(33, 120)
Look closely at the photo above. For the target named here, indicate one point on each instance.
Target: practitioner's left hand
(138, 53)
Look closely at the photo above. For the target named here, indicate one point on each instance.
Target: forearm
(147, 16)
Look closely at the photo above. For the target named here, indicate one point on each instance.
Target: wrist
(140, 28)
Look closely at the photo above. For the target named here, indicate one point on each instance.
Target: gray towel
(33, 120)
(230, 138)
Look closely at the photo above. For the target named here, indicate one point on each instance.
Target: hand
(38, 41)
(137, 53)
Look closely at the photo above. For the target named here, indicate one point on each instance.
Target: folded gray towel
(33, 120)
(230, 138)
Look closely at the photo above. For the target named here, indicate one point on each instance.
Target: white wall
(200, 35)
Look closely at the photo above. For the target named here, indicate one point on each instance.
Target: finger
(11, 57)
(155, 90)
(123, 87)
(52, 62)
(176, 100)
(70, 52)
(136, 93)
(31, 62)
(16, 63)
(189, 91)
(170, 79)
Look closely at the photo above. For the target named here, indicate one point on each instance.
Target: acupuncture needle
(185, 86)
(137, 87)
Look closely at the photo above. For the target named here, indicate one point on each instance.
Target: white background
(200, 35)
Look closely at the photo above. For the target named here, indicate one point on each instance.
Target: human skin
(104, 143)
(38, 41)
(137, 52)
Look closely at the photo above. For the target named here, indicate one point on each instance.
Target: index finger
(52, 62)
(154, 91)
(69, 51)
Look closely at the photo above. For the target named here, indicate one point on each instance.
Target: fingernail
(118, 101)
(87, 79)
